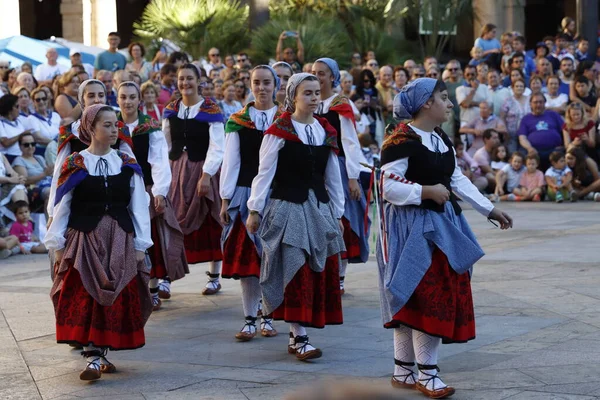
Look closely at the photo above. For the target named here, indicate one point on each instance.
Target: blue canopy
(20, 49)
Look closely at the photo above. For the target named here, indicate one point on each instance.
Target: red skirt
(81, 320)
(313, 299)
(351, 241)
(204, 244)
(159, 270)
(240, 258)
(441, 305)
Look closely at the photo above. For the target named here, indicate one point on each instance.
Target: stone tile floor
(537, 296)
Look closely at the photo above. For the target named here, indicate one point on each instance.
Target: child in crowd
(23, 230)
(531, 186)
(508, 178)
(507, 52)
(8, 245)
(468, 166)
(558, 178)
(499, 158)
(583, 89)
(477, 54)
(581, 53)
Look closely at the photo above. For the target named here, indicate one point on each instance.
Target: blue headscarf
(276, 79)
(335, 69)
(412, 97)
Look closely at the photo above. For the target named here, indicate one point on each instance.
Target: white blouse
(408, 193)
(138, 207)
(62, 155)
(158, 157)
(349, 140)
(216, 130)
(269, 155)
(230, 170)
(48, 127)
(10, 129)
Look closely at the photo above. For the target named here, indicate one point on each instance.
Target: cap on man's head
(74, 51)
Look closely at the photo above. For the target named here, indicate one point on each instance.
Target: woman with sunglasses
(366, 90)
(66, 100)
(11, 126)
(48, 120)
(150, 148)
(427, 250)
(24, 95)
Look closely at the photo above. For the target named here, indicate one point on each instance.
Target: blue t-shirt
(110, 61)
(487, 44)
(563, 88)
(543, 131)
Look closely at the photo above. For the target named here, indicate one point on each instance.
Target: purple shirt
(543, 131)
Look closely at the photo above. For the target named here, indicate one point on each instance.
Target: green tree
(196, 25)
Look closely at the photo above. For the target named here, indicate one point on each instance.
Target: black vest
(301, 167)
(189, 135)
(141, 148)
(96, 197)
(334, 119)
(250, 141)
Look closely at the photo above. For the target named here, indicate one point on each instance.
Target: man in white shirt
(470, 95)
(214, 61)
(498, 92)
(75, 56)
(44, 73)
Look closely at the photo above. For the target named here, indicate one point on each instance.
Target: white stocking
(214, 267)
(426, 352)
(299, 330)
(93, 361)
(404, 352)
(343, 266)
(153, 284)
(251, 295)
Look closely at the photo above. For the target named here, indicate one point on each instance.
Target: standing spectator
(149, 104)
(240, 91)
(569, 29)
(118, 78)
(357, 66)
(44, 73)
(218, 89)
(26, 79)
(512, 112)
(483, 156)
(555, 100)
(586, 180)
(384, 87)
(106, 77)
(470, 95)
(488, 43)
(474, 130)
(168, 77)
(498, 92)
(138, 63)
(178, 58)
(160, 59)
(242, 62)
(366, 90)
(75, 56)
(580, 130)
(229, 105)
(214, 61)
(559, 179)
(401, 76)
(516, 62)
(566, 74)
(409, 65)
(540, 132)
(294, 59)
(433, 72)
(518, 45)
(66, 99)
(111, 59)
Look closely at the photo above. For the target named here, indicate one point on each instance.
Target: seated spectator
(499, 158)
(560, 50)
(544, 69)
(178, 58)
(229, 105)
(584, 94)
(555, 100)
(581, 54)
(38, 175)
(528, 65)
(580, 130)
(498, 92)
(566, 74)
(417, 72)
(507, 52)
(541, 51)
(531, 185)
(168, 80)
(515, 107)
(22, 228)
(516, 62)
(586, 179)
(488, 43)
(470, 95)
(508, 178)
(559, 179)
(66, 98)
(11, 188)
(366, 90)
(208, 90)
(474, 129)
(515, 75)
(540, 131)
(476, 56)
(482, 71)
(385, 90)
(11, 127)
(150, 97)
(362, 120)
(8, 244)
(483, 156)
(401, 76)
(536, 85)
(468, 166)
(373, 66)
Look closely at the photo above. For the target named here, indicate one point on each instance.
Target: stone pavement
(537, 296)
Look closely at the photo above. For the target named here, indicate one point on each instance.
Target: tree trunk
(259, 13)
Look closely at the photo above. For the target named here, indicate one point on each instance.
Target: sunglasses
(242, 59)
(4, 66)
(244, 78)
(373, 65)
(30, 144)
(418, 75)
(214, 55)
(432, 75)
(239, 86)
(452, 69)
(366, 81)
(40, 99)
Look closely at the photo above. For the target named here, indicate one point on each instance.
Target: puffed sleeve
(230, 169)
(351, 147)
(333, 183)
(158, 157)
(400, 193)
(55, 237)
(462, 187)
(140, 214)
(269, 155)
(166, 128)
(124, 147)
(61, 156)
(216, 148)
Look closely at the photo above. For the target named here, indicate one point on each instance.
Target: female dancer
(193, 126)
(91, 92)
(99, 236)
(301, 232)
(427, 249)
(242, 251)
(338, 111)
(150, 149)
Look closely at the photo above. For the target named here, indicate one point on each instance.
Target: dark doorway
(128, 11)
(40, 19)
(542, 19)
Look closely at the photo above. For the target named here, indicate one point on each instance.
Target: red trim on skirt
(351, 241)
(240, 258)
(204, 244)
(313, 299)
(82, 320)
(158, 270)
(441, 305)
